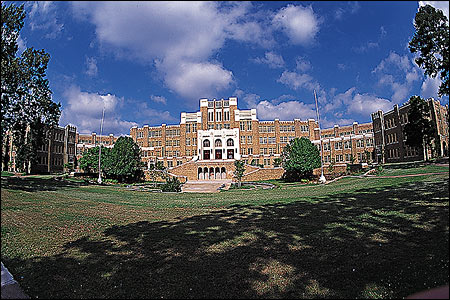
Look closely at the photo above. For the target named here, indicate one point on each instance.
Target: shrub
(172, 185)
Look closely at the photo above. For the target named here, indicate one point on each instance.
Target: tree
(277, 162)
(156, 169)
(239, 169)
(26, 104)
(419, 131)
(299, 158)
(124, 160)
(431, 39)
(89, 161)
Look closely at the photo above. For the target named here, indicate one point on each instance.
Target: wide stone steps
(205, 186)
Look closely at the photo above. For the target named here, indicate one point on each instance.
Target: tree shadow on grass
(30, 184)
(372, 243)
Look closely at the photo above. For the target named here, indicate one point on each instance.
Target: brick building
(206, 143)
(390, 141)
(57, 150)
(86, 141)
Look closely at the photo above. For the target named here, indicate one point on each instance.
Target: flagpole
(322, 178)
(100, 149)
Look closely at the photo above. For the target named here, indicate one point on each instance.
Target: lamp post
(100, 150)
(322, 178)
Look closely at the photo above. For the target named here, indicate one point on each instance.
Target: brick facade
(220, 133)
(390, 142)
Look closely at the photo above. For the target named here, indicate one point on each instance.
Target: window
(188, 142)
(218, 143)
(250, 151)
(242, 125)
(188, 128)
(210, 115)
(206, 143)
(194, 127)
(230, 143)
(226, 115)
(218, 115)
(249, 125)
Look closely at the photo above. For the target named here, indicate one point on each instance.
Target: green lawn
(354, 238)
(410, 169)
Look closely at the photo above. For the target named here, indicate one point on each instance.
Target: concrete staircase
(206, 186)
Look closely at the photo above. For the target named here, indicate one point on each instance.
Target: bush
(171, 185)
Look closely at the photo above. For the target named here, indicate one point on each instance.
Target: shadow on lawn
(386, 243)
(30, 184)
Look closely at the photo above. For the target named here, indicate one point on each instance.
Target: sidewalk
(10, 287)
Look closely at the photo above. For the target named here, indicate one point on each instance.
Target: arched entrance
(223, 173)
(200, 174)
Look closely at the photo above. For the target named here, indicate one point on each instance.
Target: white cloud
(442, 5)
(179, 37)
(430, 87)
(302, 64)
(195, 80)
(84, 110)
(351, 8)
(21, 44)
(271, 59)
(159, 99)
(91, 66)
(299, 23)
(285, 110)
(297, 81)
(42, 16)
(399, 73)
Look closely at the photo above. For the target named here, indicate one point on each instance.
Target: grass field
(354, 238)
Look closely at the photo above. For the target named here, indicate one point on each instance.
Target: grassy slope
(371, 238)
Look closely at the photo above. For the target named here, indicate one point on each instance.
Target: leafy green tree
(156, 170)
(431, 39)
(239, 170)
(299, 158)
(26, 103)
(419, 131)
(89, 161)
(124, 161)
(277, 162)
(172, 185)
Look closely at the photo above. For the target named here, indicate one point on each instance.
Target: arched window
(230, 143)
(206, 143)
(218, 143)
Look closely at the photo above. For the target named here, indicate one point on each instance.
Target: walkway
(10, 287)
(206, 186)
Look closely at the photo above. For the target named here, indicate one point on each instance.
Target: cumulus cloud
(179, 38)
(42, 16)
(399, 73)
(297, 81)
(159, 99)
(285, 110)
(350, 102)
(299, 23)
(270, 59)
(430, 87)
(91, 66)
(302, 64)
(84, 110)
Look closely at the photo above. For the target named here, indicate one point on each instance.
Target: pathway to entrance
(206, 186)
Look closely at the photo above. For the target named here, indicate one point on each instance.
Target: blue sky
(146, 62)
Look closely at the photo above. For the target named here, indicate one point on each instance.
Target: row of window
(219, 114)
(218, 126)
(245, 124)
(217, 143)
